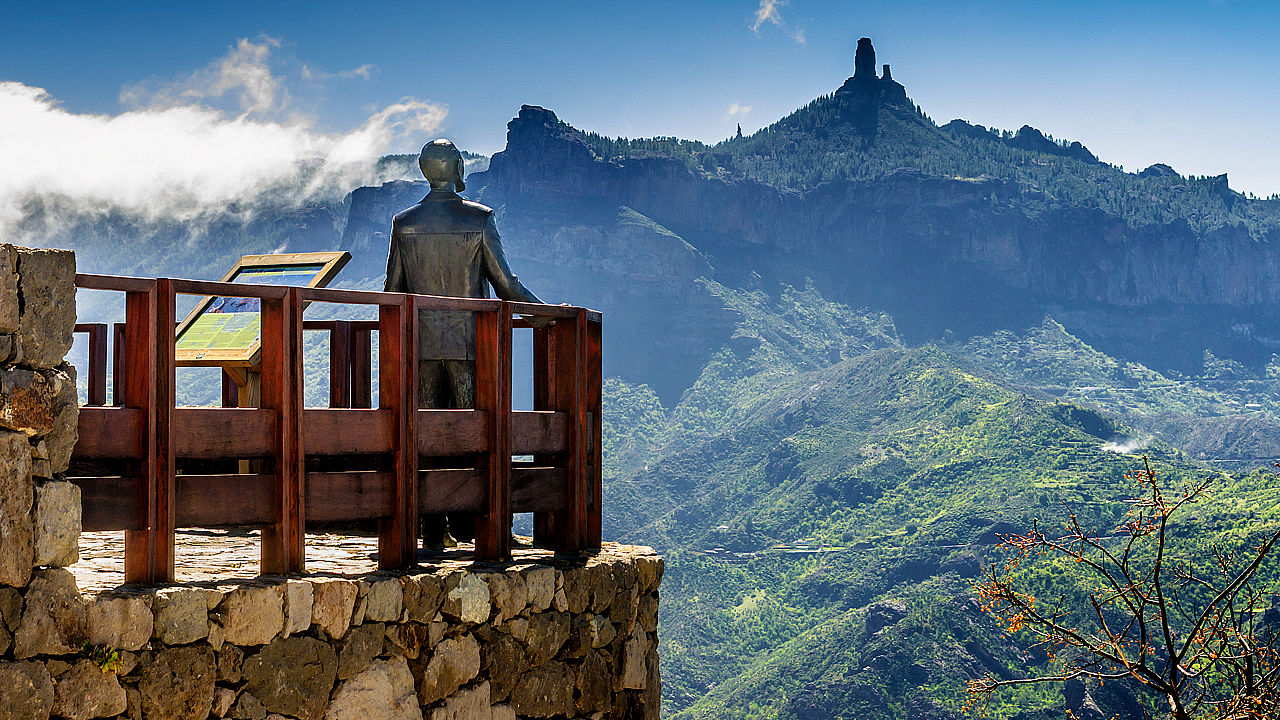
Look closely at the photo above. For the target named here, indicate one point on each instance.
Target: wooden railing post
(594, 406)
(148, 360)
(544, 399)
(119, 372)
(284, 541)
(97, 371)
(398, 391)
(493, 395)
(361, 375)
(340, 365)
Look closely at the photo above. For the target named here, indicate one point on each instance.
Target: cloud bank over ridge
(227, 134)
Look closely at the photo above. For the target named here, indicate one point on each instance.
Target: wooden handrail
(364, 463)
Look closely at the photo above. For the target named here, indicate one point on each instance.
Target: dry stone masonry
(553, 637)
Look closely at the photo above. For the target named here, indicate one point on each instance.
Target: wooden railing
(148, 467)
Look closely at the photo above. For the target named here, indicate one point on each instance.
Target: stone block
(53, 616)
(333, 603)
(26, 691)
(124, 622)
(60, 441)
(251, 614)
(454, 662)
(647, 612)
(358, 648)
(299, 596)
(248, 707)
(503, 658)
(634, 673)
(48, 310)
(223, 698)
(544, 691)
(86, 692)
(177, 683)
(423, 595)
(230, 664)
(9, 303)
(602, 631)
(383, 690)
(470, 703)
(594, 682)
(466, 598)
(181, 615)
(384, 601)
(547, 633)
(507, 593)
(293, 676)
(17, 493)
(577, 590)
(57, 524)
(540, 584)
(649, 570)
(406, 639)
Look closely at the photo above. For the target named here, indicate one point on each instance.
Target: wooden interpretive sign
(226, 332)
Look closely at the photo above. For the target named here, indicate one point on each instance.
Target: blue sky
(1190, 83)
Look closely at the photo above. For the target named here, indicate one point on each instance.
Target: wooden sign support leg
(594, 406)
(284, 541)
(398, 391)
(493, 394)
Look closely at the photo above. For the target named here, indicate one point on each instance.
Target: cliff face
(631, 233)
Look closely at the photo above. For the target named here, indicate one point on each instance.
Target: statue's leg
(432, 393)
(460, 386)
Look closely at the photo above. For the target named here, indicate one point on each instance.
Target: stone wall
(543, 637)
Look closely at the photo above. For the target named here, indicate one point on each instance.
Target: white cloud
(736, 111)
(770, 12)
(174, 155)
(364, 72)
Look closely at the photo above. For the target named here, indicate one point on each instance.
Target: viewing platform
(149, 467)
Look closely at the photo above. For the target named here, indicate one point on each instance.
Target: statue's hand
(539, 322)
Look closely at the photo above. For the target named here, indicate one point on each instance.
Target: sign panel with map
(225, 331)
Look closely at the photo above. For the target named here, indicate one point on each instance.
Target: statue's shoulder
(477, 209)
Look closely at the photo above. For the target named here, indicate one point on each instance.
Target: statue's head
(441, 164)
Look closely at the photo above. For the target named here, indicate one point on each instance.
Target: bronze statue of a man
(445, 245)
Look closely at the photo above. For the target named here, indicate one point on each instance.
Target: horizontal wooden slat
(551, 311)
(122, 283)
(108, 433)
(208, 287)
(107, 503)
(348, 496)
(539, 432)
(214, 500)
(210, 433)
(346, 432)
(533, 489)
(539, 489)
(451, 432)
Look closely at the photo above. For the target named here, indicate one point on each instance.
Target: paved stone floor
(214, 557)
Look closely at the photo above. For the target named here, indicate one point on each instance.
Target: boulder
(466, 598)
(57, 524)
(26, 691)
(17, 493)
(384, 690)
(332, 606)
(470, 703)
(454, 662)
(181, 615)
(251, 614)
(177, 683)
(293, 676)
(48, 308)
(544, 691)
(85, 692)
(53, 616)
(122, 621)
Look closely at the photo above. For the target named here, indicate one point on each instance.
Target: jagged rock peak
(1158, 170)
(887, 75)
(864, 60)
